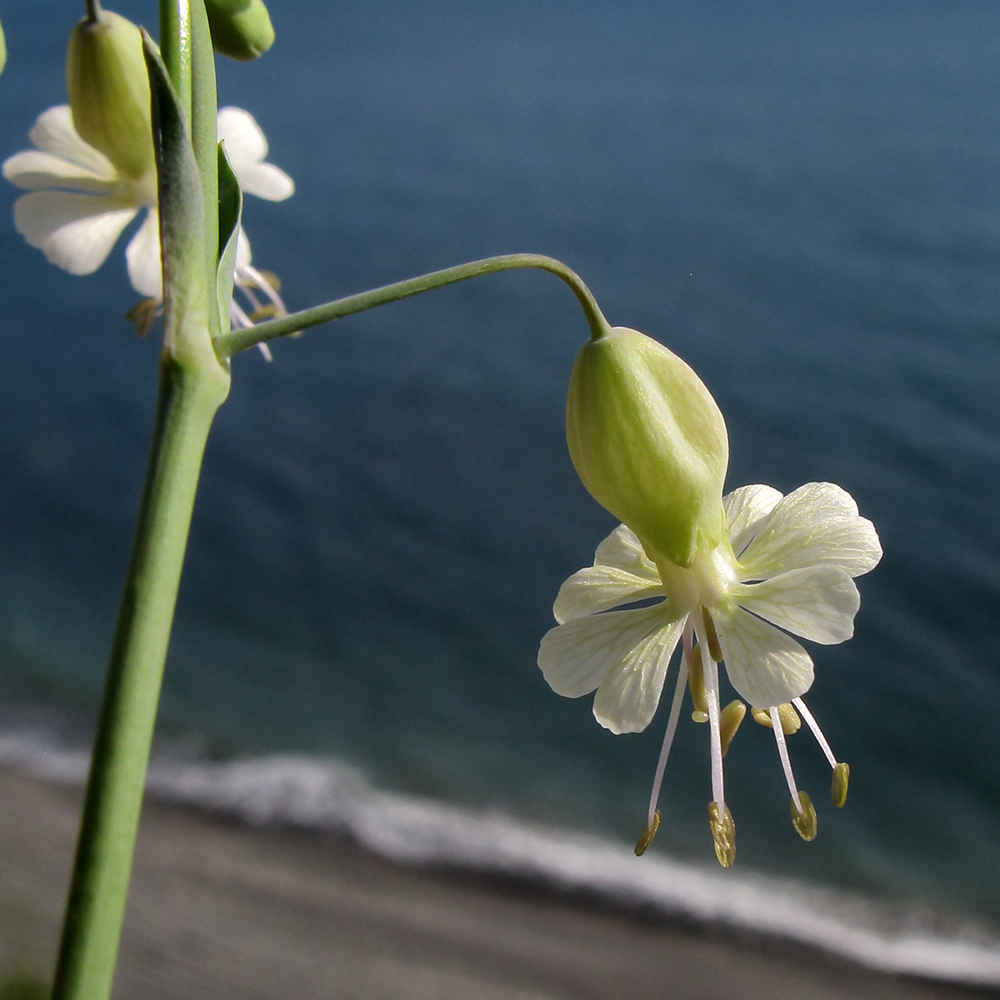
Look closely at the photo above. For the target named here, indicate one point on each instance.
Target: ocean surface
(799, 198)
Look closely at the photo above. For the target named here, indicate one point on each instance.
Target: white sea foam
(328, 795)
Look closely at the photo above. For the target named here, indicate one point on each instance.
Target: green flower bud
(109, 91)
(649, 442)
(241, 29)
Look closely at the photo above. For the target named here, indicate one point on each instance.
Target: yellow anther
(711, 636)
(647, 835)
(696, 685)
(838, 787)
(804, 817)
(723, 833)
(729, 721)
(790, 721)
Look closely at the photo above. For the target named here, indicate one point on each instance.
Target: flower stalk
(240, 340)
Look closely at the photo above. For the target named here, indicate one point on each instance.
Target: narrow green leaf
(230, 214)
(3, 50)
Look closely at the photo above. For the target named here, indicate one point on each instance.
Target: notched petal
(816, 524)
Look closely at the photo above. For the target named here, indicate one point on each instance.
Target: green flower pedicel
(734, 575)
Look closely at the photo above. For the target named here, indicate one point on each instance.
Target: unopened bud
(838, 787)
(804, 817)
(647, 835)
(790, 721)
(241, 29)
(649, 443)
(109, 91)
(729, 721)
(723, 833)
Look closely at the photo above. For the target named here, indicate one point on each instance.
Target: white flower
(79, 203)
(787, 562)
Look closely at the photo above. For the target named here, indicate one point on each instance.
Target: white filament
(786, 764)
(816, 731)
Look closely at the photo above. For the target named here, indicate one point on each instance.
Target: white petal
(599, 588)
(817, 523)
(245, 142)
(265, 180)
(243, 255)
(34, 169)
(627, 698)
(576, 657)
(143, 257)
(621, 574)
(745, 508)
(53, 132)
(766, 666)
(818, 603)
(623, 550)
(75, 231)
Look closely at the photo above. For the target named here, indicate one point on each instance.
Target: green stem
(239, 340)
(96, 906)
(175, 47)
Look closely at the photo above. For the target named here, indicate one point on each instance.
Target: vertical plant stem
(95, 910)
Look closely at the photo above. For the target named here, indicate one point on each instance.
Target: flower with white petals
(786, 565)
(79, 203)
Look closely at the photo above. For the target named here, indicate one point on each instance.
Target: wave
(329, 795)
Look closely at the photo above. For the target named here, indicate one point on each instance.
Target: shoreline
(221, 909)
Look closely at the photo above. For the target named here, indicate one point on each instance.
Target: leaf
(182, 224)
(230, 213)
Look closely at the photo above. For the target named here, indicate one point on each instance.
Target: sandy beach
(220, 910)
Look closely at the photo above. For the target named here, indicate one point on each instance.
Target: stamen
(720, 822)
(804, 817)
(696, 684)
(816, 731)
(711, 636)
(838, 785)
(786, 764)
(711, 669)
(790, 721)
(729, 721)
(668, 739)
(647, 835)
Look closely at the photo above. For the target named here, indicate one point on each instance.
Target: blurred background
(799, 198)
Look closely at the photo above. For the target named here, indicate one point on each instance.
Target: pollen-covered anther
(804, 817)
(696, 685)
(838, 786)
(723, 833)
(729, 721)
(790, 721)
(647, 835)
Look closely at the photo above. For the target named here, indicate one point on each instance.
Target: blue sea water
(799, 198)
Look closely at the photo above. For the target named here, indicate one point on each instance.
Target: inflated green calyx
(649, 442)
(109, 91)
(241, 29)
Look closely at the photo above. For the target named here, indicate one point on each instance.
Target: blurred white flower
(79, 203)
